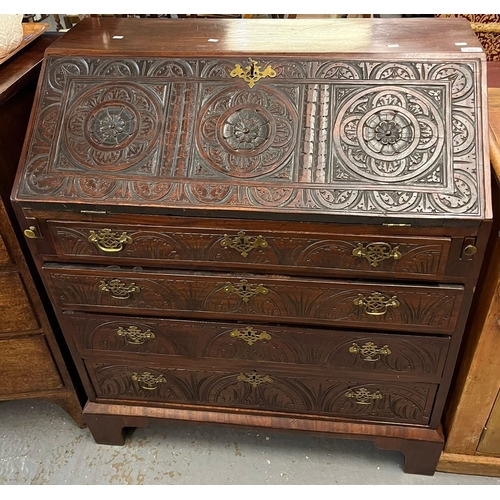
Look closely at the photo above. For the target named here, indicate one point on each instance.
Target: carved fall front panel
(320, 137)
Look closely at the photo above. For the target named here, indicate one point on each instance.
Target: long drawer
(432, 309)
(422, 258)
(408, 356)
(392, 402)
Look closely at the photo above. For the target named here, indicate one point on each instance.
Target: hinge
(482, 435)
(395, 225)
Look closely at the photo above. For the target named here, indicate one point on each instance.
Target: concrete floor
(40, 444)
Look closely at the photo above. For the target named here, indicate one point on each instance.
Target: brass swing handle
(363, 396)
(375, 253)
(254, 379)
(109, 241)
(376, 304)
(369, 351)
(148, 381)
(118, 289)
(134, 335)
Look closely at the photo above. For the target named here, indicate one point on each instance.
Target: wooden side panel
(15, 309)
(27, 366)
(490, 442)
(4, 255)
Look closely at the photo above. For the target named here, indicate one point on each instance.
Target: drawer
(255, 249)
(15, 309)
(253, 297)
(4, 255)
(26, 365)
(266, 391)
(410, 356)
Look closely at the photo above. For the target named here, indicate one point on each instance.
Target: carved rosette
(388, 135)
(246, 134)
(112, 127)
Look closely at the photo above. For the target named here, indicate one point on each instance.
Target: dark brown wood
(294, 245)
(409, 356)
(31, 362)
(271, 299)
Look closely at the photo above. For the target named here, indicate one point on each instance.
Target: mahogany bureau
(273, 223)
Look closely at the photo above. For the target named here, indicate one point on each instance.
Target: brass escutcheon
(363, 396)
(245, 290)
(134, 335)
(376, 304)
(148, 381)
(250, 336)
(252, 74)
(118, 289)
(254, 379)
(369, 351)
(108, 241)
(243, 244)
(377, 252)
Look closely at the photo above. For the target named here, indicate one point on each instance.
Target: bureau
(262, 223)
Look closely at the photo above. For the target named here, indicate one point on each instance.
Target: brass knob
(30, 233)
(470, 250)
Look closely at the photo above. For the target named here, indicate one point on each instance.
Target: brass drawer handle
(377, 252)
(118, 289)
(250, 336)
(134, 335)
(245, 290)
(109, 241)
(254, 379)
(369, 351)
(252, 74)
(363, 396)
(243, 244)
(376, 304)
(148, 381)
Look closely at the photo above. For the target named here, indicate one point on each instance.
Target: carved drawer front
(4, 255)
(255, 249)
(16, 313)
(263, 390)
(407, 356)
(274, 299)
(26, 365)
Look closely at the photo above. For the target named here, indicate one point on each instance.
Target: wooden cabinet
(281, 231)
(473, 412)
(31, 363)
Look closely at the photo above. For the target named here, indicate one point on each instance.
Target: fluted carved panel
(273, 299)
(423, 257)
(321, 137)
(408, 355)
(396, 402)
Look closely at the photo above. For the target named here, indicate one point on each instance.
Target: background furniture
(31, 363)
(290, 241)
(472, 419)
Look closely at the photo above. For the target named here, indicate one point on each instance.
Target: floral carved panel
(322, 137)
